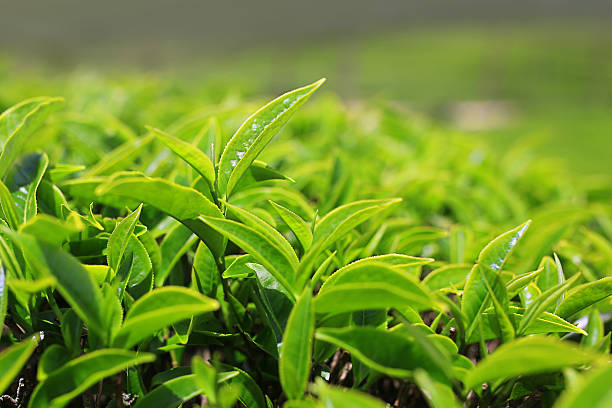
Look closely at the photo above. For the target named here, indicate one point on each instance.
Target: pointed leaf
(265, 251)
(296, 350)
(336, 397)
(171, 394)
(118, 241)
(18, 123)
(188, 152)
(13, 359)
(537, 355)
(296, 224)
(437, 394)
(591, 390)
(265, 229)
(74, 282)
(255, 134)
(380, 349)
(183, 203)
(73, 378)
(541, 304)
(158, 309)
(583, 296)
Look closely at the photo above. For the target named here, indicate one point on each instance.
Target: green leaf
(265, 229)
(447, 276)
(499, 297)
(3, 294)
(9, 209)
(583, 296)
(436, 393)
(158, 309)
(205, 274)
(171, 394)
(380, 349)
(537, 355)
(336, 397)
(52, 358)
(542, 302)
(76, 376)
(255, 134)
(183, 203)
(74, 282)
(516, 284)
(177, 242)
(365, 296)
(296, 350)
(18, 123)
(339, 222)
(118, 241)
(191, 154)
(490, 262)
(550, 275)
(295, 223)
(495, 254)
(400, 262)
(381, 279)
(544, 324)
(30, 207)
(591, 390)
(206, 378)
(260, 247)
(120, 158)
(13, 359)
(249, 393)
(51, 229)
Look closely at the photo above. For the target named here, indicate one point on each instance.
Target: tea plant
(365, 255)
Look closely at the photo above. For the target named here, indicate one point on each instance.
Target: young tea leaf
(65, 383)
(158, 309)
(255, 134)
(537, 355)
(296, 350)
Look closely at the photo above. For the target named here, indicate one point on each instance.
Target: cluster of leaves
(178, 269)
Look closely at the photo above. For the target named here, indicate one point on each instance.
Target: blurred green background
(503, 72)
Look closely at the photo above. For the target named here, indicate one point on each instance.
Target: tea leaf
(592, 390)
(13, 358)
(191, 154)
(437, 394)
(583, 296)
(183, 203)
(379, 349)
(171, 394)
(19, 122)
(118, 241)
(297, 225)
(537, 355)
(255, 134)
(296, 350)
(260, 247)
(158, 309)
(74, 377)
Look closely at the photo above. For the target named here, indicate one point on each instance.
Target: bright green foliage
(296, 351)
(74, 377)
(163, 268)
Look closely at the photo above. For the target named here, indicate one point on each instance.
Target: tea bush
(160, 250)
